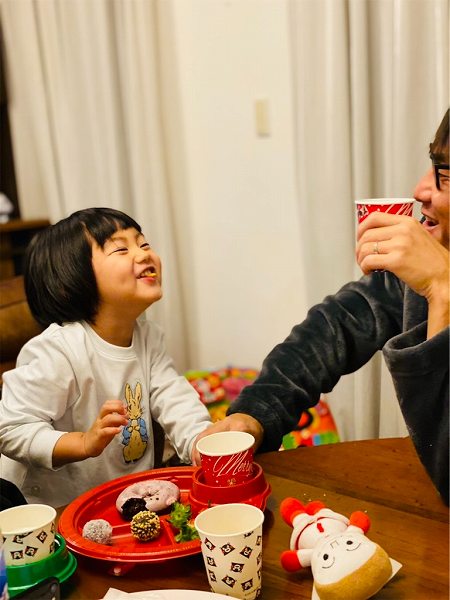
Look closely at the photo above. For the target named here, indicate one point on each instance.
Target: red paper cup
(393, 206)
(226, 457)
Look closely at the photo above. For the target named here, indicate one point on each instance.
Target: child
(77, 409)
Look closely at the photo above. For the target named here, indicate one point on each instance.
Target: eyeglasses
(441, 174)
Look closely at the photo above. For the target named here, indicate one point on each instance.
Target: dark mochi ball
(132, 506)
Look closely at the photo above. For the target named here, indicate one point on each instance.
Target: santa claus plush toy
(345, 564)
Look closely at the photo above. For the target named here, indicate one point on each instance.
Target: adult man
(403, 311)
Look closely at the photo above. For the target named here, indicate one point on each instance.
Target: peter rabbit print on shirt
(134, 434)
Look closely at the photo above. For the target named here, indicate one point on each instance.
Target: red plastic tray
(100, 503)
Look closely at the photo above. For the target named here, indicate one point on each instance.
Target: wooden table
(382, 477)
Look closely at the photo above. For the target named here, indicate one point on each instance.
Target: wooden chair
(17, 324)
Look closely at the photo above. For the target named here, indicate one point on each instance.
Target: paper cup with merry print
(231, 544)
(226, 457)
(28, 533)
(393, 206)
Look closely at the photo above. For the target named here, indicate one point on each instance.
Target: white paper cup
(28, 533)
(226, 457)
(231, 543)
(393, 206)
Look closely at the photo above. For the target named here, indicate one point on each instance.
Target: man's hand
(402, 246)
(234, 422)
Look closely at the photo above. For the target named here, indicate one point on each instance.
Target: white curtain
(86, 122)
(371, 83)
(96, 120)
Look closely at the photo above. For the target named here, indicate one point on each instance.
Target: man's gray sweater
(341, 334)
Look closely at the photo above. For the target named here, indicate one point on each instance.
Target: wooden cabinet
(15, 235)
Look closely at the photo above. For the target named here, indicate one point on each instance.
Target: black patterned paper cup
(231, 543)
(28, 533)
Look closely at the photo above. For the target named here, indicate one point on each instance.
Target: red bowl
(254, 491)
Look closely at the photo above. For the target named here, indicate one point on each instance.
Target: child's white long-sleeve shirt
(62, 378)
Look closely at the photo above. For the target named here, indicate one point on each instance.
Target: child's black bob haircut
(59, 278)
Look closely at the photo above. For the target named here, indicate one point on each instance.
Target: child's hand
(76, 445)
(109, 423)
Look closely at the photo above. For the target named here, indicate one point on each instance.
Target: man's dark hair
(59, 277)
(439, 147)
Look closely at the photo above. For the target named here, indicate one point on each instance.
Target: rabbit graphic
(135, 435)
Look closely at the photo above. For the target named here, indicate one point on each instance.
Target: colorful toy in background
(219, 388)
(345, 564)
(316, 426)
(222, 384)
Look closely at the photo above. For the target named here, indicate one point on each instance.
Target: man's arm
(337, 337)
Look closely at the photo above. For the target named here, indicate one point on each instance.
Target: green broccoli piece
(187, 532)
(180, 516)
